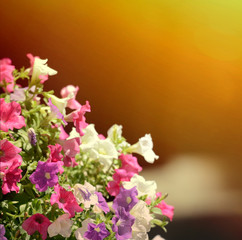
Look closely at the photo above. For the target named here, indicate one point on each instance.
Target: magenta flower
(96, 232)
(65, 200)
(10, 116)
(113, 188)
(6, 74)
(45, 175)
(102, 202)
(122, 224)
(37, 222)
(126, 199)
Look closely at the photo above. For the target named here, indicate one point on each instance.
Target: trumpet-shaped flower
(6, 74)
(62, 225)
(37, 222)
(96, 232)
(56, 156)
(65, 200)
(71, 90)
(142, 222)
(10, 116)
(78, 118)
(126, 199)
(39, 69)
(79, 233)
(144, 187)
(55, 113)
(45, 175)
(122, 224)
(10, 174)
(2, 232)
(85, 194)
(102, 204)
(144, 147)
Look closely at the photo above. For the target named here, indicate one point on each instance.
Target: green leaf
(156, 210)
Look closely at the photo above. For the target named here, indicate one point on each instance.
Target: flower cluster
(78, 184)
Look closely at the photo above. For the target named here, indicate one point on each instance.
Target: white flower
(73, 134)
(144, 147)
(158, 237)
(103, 150)
(79, 233)
(106, 152)
(62, 225)
(143, 187)
(89, 138)
(115, 132)
(60, 103)
(142, 221)
(115, 135)
(85, 194)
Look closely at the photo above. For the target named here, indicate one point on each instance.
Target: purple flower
(2, 232)
(122, 224)
(56, 112)
(96, 232)
(102, 202)
(126, 199)
(45, 175)
(32, 136)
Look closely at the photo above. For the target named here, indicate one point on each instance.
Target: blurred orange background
(169, 68)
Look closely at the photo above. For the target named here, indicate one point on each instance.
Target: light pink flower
(66, 91)
(37, 222)
(10, 116)
(78, 117)
(6, 70)
(71, 148)
(65, 200)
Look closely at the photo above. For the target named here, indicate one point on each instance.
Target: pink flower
(9, 152)
(113, 188)
(167, 210)
(71, 147)
(78, 117)
(65, 200)
(6, 70)
(66, 91)
(10, 116)
(37, 222)
(56, 156)
(129, 167)
(63, 134)
(10, 176)
(130, 163)
(55, 153)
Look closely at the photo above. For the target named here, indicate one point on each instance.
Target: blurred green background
(169, 68)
